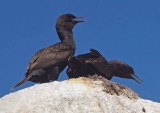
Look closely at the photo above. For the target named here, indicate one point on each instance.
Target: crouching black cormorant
(92, 63)
(47, 63)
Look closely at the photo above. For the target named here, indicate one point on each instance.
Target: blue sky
(123, 30)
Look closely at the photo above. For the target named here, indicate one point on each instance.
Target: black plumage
(48, 63)
(123, 70)
(92, 63)
(88, 64)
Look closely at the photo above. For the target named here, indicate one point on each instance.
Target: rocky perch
(81, 95)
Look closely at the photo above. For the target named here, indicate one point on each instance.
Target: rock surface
(80, 95)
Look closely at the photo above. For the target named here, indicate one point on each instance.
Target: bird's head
(67, 21)
(123, 70)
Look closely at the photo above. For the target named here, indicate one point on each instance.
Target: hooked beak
(79, 19)
(136, 78)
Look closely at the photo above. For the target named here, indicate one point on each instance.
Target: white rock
(76, 96)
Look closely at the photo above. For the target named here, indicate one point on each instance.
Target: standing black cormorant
(88, 64)
(123, 70)
(47, 63)
(92, 63)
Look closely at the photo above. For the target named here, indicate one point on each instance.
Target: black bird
(88, 64)
(48, 63)
(92, 63)
(123, 70)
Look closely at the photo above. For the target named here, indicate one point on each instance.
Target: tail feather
(22, 81)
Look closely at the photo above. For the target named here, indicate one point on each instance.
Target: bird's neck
(66, 36)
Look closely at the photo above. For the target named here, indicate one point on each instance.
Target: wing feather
(50, 56)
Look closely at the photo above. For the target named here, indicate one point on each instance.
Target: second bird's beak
(79, 19)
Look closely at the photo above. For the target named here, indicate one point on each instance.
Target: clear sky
(126, 30)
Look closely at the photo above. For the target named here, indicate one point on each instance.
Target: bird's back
(89, 64)
(78, 68)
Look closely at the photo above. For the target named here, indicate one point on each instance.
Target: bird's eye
(71, 20)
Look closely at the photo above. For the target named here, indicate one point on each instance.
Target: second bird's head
(67, 21)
